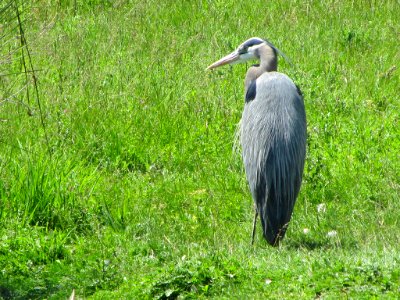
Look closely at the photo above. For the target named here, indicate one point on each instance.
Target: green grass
(131, 189)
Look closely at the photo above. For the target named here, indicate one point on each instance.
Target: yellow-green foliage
(119, 179)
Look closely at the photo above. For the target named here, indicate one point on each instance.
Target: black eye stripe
(252, 42)
(249, 43)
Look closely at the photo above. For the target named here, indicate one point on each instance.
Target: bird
(273, 136)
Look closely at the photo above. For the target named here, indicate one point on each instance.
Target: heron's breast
(275, 86)
(273, 107)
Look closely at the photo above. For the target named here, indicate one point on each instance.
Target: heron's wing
(273, 138)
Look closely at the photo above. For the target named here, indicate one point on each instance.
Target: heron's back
(273, 138)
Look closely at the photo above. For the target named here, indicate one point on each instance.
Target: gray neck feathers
(268, 63)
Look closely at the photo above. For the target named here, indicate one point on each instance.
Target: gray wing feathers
(273, 138)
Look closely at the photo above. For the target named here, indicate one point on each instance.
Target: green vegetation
(118, 177)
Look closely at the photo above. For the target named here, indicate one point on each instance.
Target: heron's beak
(230, 58)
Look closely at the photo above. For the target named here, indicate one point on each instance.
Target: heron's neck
(268, 63)
(268, 58)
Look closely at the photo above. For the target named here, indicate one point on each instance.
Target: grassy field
(118, 175)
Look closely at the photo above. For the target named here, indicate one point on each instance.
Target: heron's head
(246, 51)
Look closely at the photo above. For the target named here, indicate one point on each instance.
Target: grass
(130, 187)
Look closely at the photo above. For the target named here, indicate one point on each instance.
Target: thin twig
(35, 84)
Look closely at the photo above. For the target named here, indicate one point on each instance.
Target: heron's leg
(254, 226)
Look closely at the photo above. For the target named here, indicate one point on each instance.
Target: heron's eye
(242, 50)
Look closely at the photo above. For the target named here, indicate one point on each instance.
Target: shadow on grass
(5, 293)
(320, 244)
(9, 292)
(309, 245)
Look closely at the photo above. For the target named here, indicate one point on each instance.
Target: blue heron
(272, 135)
